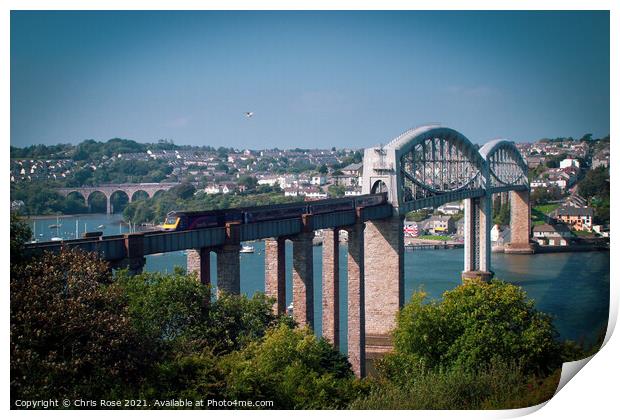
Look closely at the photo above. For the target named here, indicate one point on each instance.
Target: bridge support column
(228, 270)
(303, 288)
(356, 335)
(228, 264)
(275, 273)
(477, 227)
(384, 282)
(135, 265)
(108, 202)
(519, 224)
(199, 262)
(331, 287)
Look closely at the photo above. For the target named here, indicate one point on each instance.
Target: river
(572, 287)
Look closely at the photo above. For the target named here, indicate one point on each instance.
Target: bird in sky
(249, 114)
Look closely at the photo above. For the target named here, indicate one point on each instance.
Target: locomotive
(189, 220)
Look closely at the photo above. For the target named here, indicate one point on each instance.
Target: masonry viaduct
(423, 167)
(108, 189)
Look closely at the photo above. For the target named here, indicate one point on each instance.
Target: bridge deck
(154, 242)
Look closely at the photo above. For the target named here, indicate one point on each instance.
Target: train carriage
(188, 220)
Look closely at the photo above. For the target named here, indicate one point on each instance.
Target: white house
(291, 192)
(318, 180)
(567, 163)
(494, 233)
(268, 181)
(450, 208)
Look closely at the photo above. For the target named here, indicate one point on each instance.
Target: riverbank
(65, 216)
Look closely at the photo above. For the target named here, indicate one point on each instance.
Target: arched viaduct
(108, 189)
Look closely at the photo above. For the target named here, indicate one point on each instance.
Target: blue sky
(313, 79)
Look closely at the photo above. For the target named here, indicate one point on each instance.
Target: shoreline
(66, 216)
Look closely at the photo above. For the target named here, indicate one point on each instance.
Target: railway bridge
(109, 189)
(423, 167)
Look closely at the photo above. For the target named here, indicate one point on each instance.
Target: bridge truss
(432, 165)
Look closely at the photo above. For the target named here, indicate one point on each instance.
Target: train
(189, 220)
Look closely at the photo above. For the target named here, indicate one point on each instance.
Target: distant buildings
(579, 218)
(601, 159)
(450, 208)
(440, 225)
(555, 235)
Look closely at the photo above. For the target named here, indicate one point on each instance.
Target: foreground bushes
(482, 346)
(475, 324)
(79, 332)
(293, 368)
(497, 386)
(70, 337)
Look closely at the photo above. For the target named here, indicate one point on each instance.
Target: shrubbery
(70, 336)
(77, 331)
(476, 323)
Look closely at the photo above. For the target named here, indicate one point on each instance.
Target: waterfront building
(552, 235)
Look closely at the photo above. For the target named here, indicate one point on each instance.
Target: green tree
(175, 311)
(336, 190)
(292, 368)
(322, 169)
(249, 182)
(70, 336)
(595, 183)
(502, 217)
(475, 324)
(183, 191)
(418, 216)
(20, 234)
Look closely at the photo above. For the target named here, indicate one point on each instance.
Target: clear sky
(312, 79)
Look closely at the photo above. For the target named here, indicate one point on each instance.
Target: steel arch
(434, 162)
(506, 167)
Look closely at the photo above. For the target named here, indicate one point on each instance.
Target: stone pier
(356, 337)
(275, 273)
(199, 262)
(331, 287)
(477, 227)
(303, 288)
(520, 220)
(228, 270)
(384, 282)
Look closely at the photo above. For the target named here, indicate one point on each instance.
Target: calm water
(572, 287)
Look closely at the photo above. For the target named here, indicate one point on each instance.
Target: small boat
(289, 309)
(56, 238)
(247, 249)
(101, 227)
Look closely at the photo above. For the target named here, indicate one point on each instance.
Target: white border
(592, 394)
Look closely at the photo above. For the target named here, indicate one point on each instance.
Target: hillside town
(556, 167)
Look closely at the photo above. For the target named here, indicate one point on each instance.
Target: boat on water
(247, 249)
(56, 238)
(289, 309)
(101, 227)
(56, 225)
